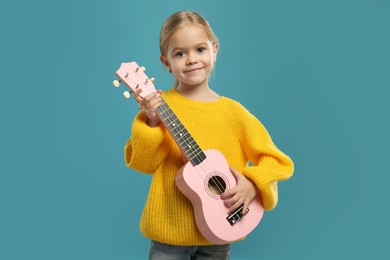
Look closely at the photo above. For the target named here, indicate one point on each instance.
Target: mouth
(193, 70)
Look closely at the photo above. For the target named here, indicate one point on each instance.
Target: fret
(192, 149)
(181, 135)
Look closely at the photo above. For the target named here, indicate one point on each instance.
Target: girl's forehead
(188, 35)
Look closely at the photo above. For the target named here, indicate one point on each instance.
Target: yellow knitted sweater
(224, 125)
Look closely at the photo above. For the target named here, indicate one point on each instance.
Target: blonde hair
(177, 21)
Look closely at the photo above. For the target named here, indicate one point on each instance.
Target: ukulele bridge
(236, 215)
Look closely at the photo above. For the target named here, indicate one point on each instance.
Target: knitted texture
(224, 125)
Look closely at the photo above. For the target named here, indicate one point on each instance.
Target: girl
(189, 50)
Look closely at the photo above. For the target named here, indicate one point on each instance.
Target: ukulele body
(202, 185)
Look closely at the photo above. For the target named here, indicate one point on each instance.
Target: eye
(201, 49)
(180, 54)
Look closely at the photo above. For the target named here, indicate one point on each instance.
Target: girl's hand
(243, 193)
(149, 105)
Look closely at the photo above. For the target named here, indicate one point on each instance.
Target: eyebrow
(181, 48)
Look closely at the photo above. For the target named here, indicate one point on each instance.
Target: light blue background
(316, 73)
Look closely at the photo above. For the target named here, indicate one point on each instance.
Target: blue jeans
(160, 251)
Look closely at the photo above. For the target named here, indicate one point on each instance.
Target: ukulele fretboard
(182, 137)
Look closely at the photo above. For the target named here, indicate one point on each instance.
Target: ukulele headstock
(134, 78)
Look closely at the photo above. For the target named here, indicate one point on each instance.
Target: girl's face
(190, 56)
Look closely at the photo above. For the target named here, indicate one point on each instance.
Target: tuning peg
(126, 94)
(140, 68)
(116, 83)
(151, 79)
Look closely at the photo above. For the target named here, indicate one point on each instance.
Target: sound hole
(217, 185)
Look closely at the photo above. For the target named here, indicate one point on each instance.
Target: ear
(165, 62)
(216, 48)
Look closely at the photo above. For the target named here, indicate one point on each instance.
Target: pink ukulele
(204, 177)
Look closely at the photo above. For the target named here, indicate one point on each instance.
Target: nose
(192, 58)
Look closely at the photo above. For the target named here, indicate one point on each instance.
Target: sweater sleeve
(146, 148)
(269, 164)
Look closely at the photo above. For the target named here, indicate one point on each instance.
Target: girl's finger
(155, 106)
(244, 209)
(228, 194)
(149, 100)
(151, 96)
(236, 174)
(236, 206)
(154, 101)
(230, 202)
(137, 97)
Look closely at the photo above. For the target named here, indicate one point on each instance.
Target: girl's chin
(193, 80)
(193, 83)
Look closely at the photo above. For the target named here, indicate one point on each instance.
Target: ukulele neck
(181, 135)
